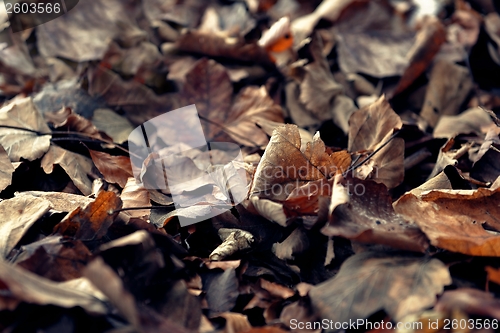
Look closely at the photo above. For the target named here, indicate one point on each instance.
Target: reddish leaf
(428, 42)
(93, 221)
(115, 169)
(465, 221)
(286, 165)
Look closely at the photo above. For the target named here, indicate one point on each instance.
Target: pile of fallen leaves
(369, 137)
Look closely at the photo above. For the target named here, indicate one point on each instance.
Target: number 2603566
(470, 324)
(33, 8)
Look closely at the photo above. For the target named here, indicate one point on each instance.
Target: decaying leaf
(21, 285)
(474, 120)
(273, 211)
(93, 221)
(296, 243)
(77, 166)
(234, 241)
(470, 301)
(209, 87)
(252, 107)
(464, 221)
(448, 87)
(84, 34)
(115, 169)
(368, 217)
(23, 144)
(18, 215)
(369, 129)
(55, 258)
(116, 126)
(135, 195)
(66, 119)
(218, 46)
(6, 169)
(374, 281)
(221, 290)
(64, 202)
(104, 278)
(379, 54)
(286, 165)
(428, 41)
(139, 102)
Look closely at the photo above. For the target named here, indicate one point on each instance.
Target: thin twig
(171, 208)
(225, 129)
(354, 167)
(86, 137)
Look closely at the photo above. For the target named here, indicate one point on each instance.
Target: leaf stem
(354, 167)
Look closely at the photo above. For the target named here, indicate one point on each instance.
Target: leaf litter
(369, 135)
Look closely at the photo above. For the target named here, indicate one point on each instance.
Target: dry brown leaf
(252, 107)
(216, 46)
(6, 169)
(296, 243)
(273, 211)
(18, 215)
(449, 85)
(92, 221)
(21, 285)
(23, 144)
(76, 166)
(115, 169)
(55, 258)
(464, 221)
(474, 120)
(470, 301)
(368, 217)
(429, 39)
(378, 54)
(369, 282)
(208, 87)
(487, 168)
(116, 126)
(84, 34)
(304, 200)
(318, 89)
(104, 278)
(135, 195)
(286, 165)
(63, 202)
(371, 127)
(139, 102)
(66, 119)
(448, 156)
(108, 281)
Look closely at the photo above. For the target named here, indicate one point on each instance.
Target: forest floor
(338, 172)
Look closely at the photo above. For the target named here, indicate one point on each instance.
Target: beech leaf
(23, 144)
(369, 282)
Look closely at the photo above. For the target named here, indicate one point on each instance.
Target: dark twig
(354, 167)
